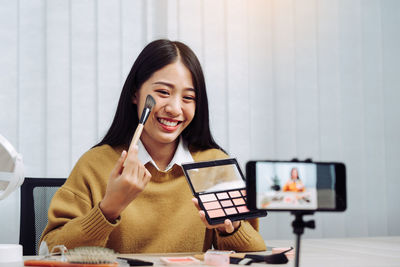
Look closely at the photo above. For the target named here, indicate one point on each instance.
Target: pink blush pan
(212, 205)
(215, 213)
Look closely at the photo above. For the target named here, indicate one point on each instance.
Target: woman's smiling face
(174, 93)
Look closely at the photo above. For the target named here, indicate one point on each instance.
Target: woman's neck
(162, 154)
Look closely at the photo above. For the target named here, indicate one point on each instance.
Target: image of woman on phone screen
(294, 184)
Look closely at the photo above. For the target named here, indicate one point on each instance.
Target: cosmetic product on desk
(220, 188)
(217, 257)
(275, 258)
(186, 260)
(289, 252)
(11, 255)
(136, 262)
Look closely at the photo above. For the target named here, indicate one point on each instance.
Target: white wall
(286, 78)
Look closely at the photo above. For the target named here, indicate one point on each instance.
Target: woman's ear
(134, 99)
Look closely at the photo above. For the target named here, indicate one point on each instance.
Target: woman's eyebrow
(170, 85)
(190, 89)
(165, 83)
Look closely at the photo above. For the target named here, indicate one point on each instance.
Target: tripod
(298, 228)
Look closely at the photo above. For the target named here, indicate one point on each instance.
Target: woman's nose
(173, 107)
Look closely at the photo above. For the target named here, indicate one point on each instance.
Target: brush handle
(54, 263)
(135, 138)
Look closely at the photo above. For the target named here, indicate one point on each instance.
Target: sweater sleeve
(74, 222)
(245, 239)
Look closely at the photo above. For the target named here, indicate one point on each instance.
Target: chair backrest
(36, 194)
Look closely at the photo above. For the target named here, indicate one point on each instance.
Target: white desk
(343, 252)
(346, 252)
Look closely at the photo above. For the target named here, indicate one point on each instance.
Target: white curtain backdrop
(313, 79)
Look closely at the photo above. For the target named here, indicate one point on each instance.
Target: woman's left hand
(225, 228)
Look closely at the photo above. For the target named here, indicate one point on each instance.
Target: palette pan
(220, 189)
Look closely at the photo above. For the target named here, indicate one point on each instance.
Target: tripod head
(299, 224)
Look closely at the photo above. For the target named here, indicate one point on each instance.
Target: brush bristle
(150, 102)
(91, 255)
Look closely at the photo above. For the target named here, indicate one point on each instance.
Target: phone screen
(294, 186)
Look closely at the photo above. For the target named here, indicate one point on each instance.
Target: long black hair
(153, 57)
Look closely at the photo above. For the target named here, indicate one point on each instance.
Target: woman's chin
(168, 138)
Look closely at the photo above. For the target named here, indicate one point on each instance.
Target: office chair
(36, 194)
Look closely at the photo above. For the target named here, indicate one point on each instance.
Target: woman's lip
(167, 119)
(168, 128)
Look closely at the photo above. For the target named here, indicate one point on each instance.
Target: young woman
(147, 205)
(294, 184)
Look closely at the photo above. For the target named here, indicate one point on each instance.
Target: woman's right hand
(124, 184)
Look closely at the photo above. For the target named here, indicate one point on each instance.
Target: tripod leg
(297, 258)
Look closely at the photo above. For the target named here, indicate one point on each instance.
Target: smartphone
(296, 186)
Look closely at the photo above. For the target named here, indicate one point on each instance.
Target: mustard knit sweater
(161, 219)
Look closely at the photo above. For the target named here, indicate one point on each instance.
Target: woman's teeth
(168, 123)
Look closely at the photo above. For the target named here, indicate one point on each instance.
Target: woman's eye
(163, 92)
(189, 97)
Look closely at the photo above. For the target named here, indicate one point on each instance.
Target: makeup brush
(150, 103)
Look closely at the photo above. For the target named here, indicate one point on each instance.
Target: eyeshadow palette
(220, 188)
